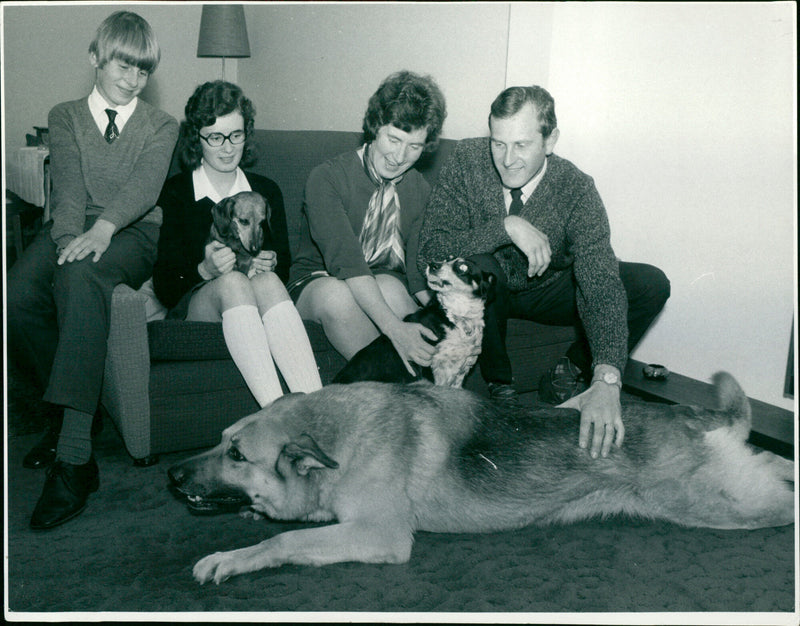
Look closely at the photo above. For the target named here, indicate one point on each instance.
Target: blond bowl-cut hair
(127, 37)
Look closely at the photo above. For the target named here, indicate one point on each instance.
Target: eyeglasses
(215, 140)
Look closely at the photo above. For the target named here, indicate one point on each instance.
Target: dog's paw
(217, 567)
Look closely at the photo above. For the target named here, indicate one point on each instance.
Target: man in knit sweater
(109, 155)
(538, 223)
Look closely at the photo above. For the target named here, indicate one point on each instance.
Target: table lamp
(223, 33)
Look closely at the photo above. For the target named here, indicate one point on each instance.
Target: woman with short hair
(355, 270)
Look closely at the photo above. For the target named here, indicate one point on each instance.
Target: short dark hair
(128, 37)
(208, 102)
(511, 100)
(409, 102)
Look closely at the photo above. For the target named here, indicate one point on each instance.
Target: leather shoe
(561, 383)
(504, 394)
(65, 492)
(44, 452)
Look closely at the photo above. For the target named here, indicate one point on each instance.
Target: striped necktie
(380, 234)
(112, 132)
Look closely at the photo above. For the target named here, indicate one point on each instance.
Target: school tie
(112, 132)
(516, 202)
(380, 234)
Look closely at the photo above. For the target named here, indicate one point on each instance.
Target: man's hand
(601, 418)
(266, 261)
(94, 241)
(534, 244)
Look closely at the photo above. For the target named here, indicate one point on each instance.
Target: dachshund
(239, 224)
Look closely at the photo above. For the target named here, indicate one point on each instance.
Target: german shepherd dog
(239, 224)
(380, 461)
(454, 314)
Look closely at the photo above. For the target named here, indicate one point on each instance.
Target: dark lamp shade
(223, 31)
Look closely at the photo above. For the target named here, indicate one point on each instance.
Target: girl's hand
(219, 259)
(266, 261)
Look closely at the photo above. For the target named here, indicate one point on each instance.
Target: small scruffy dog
(455, 314)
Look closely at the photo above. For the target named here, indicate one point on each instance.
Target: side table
(27, 189)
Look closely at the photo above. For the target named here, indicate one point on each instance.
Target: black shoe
(44, 452)
(65, 493)
(561, 383)
(503, 393)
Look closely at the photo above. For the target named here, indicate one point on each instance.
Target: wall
(295, 73)
(684, 115)
(47, 60)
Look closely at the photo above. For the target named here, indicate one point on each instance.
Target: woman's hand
(219, 259)
(266, 261)
(94, 241)
(408, 338)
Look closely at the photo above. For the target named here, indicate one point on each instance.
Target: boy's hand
(94, 241)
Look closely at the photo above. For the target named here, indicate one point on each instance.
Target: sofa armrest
(126, 385)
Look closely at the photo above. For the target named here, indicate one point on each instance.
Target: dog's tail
(734, 403)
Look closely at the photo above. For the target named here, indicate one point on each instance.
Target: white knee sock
(291, 348)
(244, 336)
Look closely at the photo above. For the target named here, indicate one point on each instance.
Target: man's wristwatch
(610, 378)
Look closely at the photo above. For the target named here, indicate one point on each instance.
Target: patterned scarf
(380, 235)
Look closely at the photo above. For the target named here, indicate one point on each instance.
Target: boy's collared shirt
(98, 106)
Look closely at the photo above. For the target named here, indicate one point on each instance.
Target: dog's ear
(488, 283)
(222, 214)
(304, 455)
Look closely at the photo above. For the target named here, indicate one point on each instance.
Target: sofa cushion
(179, 340)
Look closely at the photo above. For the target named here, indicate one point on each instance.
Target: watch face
(610, 378)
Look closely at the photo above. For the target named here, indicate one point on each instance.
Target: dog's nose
(176, 475)
(434, 266)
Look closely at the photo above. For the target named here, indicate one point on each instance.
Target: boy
(109, 155)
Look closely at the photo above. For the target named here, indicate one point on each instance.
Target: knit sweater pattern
(465, 216)
(118, 182)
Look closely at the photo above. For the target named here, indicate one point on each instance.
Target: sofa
(171, 385)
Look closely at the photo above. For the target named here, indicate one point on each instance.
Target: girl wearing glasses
(196, 280)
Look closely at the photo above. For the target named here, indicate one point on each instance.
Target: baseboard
(769, 422)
